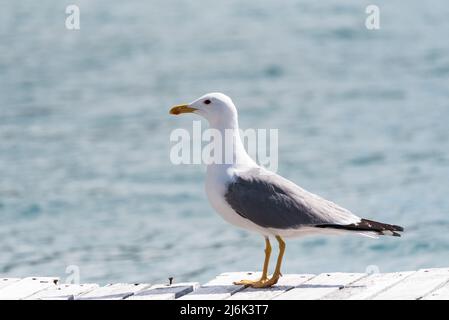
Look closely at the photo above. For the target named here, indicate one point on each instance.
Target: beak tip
(184, 108)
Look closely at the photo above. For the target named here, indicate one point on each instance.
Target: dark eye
(207, 101)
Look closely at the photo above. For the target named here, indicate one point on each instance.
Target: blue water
(85, 174)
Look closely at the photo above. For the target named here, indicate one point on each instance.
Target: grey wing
(272, 201)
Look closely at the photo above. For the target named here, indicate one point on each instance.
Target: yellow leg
(277, 271)
(264, 276)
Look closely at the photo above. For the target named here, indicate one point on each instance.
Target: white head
(215, 107)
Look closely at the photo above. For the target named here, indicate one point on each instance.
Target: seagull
(251, 197)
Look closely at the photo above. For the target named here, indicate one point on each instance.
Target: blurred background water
(85, 173)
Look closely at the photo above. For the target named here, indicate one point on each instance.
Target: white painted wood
(424, 284)
(416, 286)
(221, 287)
(4, 282)
(369, 286)
(115, 291)
(439, 294)
(320, 286)
(26, 287)
(284, 284)
(63, 292)
(165, 291)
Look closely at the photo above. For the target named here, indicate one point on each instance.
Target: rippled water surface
(85, 174)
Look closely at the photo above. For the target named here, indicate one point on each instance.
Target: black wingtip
(368, 225)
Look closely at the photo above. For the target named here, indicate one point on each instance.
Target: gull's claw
(248, 283)
(262, 283)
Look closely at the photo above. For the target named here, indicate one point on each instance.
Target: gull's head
(215, 107)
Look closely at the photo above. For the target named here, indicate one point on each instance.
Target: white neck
(231, 142)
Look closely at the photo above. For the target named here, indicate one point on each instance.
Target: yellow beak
(182, 108)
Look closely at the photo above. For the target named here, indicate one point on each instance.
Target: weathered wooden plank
(221, 287)
(116, 291)
(165, 292)
(63, 292)
(368, 287)
(4, 282)
(320, 286)
(441, 293)
(423, 284)
(26, 287)
(416, 286)
(284, 284)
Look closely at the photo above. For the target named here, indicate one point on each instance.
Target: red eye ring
(207, 101)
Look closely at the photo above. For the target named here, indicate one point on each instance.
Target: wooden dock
(408, 285)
